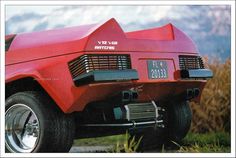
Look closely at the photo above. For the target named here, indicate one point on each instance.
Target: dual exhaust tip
(129, 96)
(132, 96)
(192, 93)
(124, 97)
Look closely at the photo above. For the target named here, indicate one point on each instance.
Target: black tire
(179, 120)
(56, 129)
(150, 138)
(177, 126)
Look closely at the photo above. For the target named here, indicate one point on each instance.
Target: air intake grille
(90, 62)
(190, 62)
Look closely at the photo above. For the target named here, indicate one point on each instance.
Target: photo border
(66, 3)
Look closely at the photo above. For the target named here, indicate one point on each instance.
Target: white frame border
(231, 3)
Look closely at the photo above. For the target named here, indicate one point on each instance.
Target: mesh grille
(141, 111)
(90, 62)
(190, 62)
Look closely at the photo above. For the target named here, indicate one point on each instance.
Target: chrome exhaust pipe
(134, 95)
(196, 92)
(190, 94)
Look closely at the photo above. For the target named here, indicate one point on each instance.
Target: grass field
(205, 143)
(193, 143)
(213, 112)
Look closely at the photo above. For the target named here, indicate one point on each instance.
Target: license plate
(157, 69)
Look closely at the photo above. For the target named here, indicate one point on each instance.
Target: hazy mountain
(209, 27)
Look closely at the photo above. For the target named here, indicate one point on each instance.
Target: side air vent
(91, 62)
(190, 62)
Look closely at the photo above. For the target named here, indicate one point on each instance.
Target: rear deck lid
(103, 37)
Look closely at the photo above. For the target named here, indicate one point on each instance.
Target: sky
(30, 18)
(208, 26)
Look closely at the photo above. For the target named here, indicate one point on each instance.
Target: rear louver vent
(190, 62)
(91, 62)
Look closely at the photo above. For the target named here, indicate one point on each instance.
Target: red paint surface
(44, 56)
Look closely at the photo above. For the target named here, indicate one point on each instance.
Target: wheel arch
(26, 83)
(22, 84)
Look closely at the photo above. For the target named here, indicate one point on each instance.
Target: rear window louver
(190, 62)
(91, 62)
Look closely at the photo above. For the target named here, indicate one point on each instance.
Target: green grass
(100, 141)
(210, 142)
(220, 138)
(193, 143)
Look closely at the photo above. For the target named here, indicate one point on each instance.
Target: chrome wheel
(22, 129)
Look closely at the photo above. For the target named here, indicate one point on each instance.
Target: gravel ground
(100, 149)
(90, 149)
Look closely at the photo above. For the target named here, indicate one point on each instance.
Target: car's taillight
(190, 62)
(90, 62)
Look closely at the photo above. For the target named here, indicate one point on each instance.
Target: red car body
(104, 80)
(44, 56)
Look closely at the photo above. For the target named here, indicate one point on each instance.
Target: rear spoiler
(161, 33)
(110, 37)
(103, 37)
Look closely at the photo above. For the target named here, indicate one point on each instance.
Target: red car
(96, 80)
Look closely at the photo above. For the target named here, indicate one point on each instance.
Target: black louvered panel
(90, 62)
(190, 62)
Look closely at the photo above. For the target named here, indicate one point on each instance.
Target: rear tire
(35, 124)
(177, 126)
(179, 121)
(150, 138)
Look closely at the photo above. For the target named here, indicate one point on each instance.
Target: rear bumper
(100, 85)
(196, 73)
(106, 76)
(132, 74)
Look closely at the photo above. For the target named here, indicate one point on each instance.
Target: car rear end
(154, 75)
(135, 89)
(137, 80)
(111, 81)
